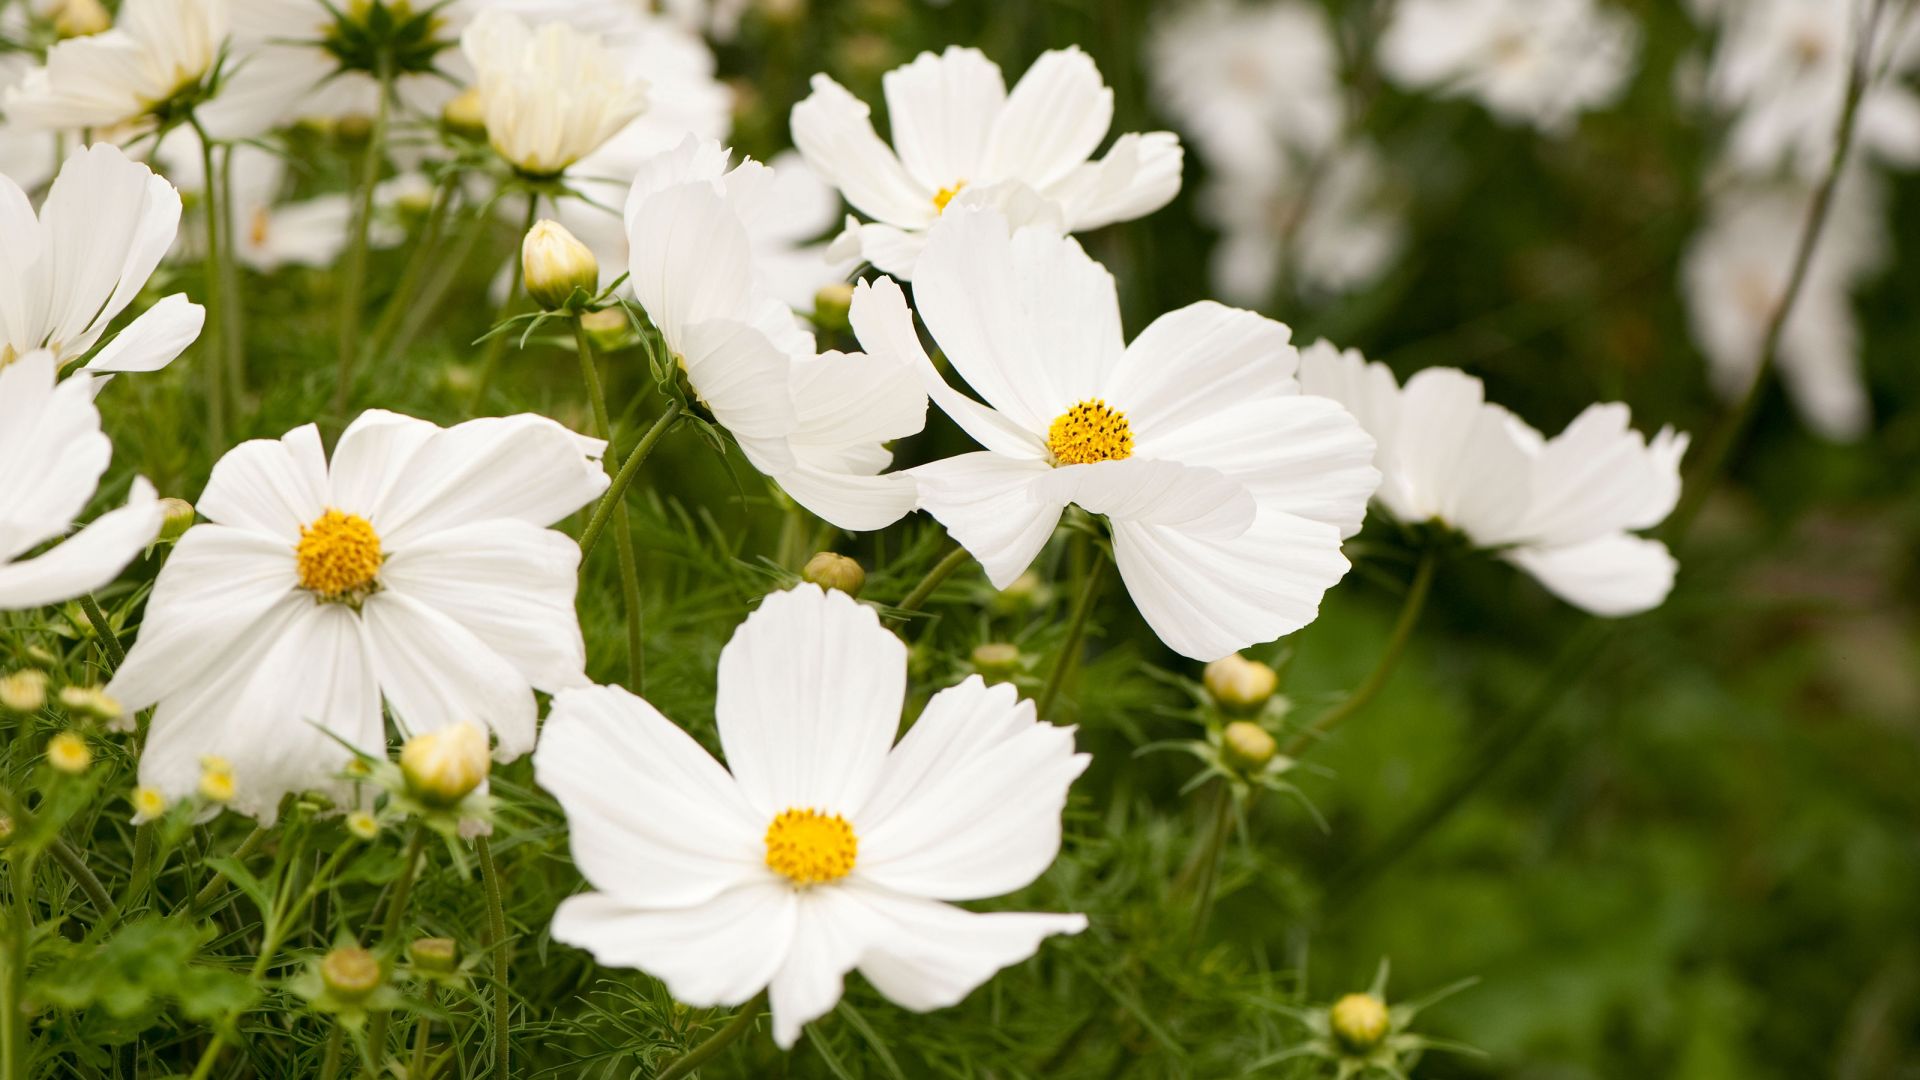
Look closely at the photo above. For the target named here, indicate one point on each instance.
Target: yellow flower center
(945, 195)
(259, 226)
(339, 557)
(1090, 431)
(809, 847)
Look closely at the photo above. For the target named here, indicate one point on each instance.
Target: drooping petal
(833, 130)
(654, 821)
(52, 452)
(720, 952)
(746, 383)
(992, 505)
(810, 690)
(832, 931)
(1615, 575)
(436, 673)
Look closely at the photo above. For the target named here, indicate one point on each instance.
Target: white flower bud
(1238, 685)
(442, 767)
(463, 114)
(79, 18)
(556, 263)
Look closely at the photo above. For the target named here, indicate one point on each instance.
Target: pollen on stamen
(808, 847)
(946, 195)
(1090, 432)
(339, 557)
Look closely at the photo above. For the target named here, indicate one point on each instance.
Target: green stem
(942, 570)
(214, 887)
(14, 1023)
(421, 312)
(76, 868)
(389, 932)
(742, 1021)
(214, 362)
(336, 1040)
(1376, 679)
(424, 247)
(1076, 630)
(422, 1030)
(603, 511)
(142, 863)
(233, 331)
(622, 528)
(103, 629)
(497, 932)
(353, 297)
(1209, 863)
(497, 344)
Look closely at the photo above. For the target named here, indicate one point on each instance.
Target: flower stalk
(622, 527)
(716, 1042)
(1069, 655)
(624, 478)
(389, 932)
(497, 939)
(352, 298)
(1376, 679)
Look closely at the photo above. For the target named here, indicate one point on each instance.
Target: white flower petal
(833, 130)
(832, 931)
(526, 467)
(154, 340)
(1198, 501)
(720, 952)
(371, 455)
(689, 257)
(1139, 175)
(273, 486)
(810, 690)
(654, 821)
(89, 559)
(942, 110)
(991, 504)
(1613, 575)
(1055, 118)
(52, 452)
(436, 673)
(746, 382)
(931, 955)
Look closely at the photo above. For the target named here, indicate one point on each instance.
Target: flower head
(68, 752)
(148, 805)
(156, 63)
(822, 850)
(442, 767)
(551, 94)
(23, 691)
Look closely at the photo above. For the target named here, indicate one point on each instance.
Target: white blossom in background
(959, 137)
(157, 51)
(52, 454)
(550, 94)
(1780, 70)
(416, 568)
(1250, 84)
(1734, 277)
(67, 273)
(1565, 509)
(717, 19)
(27, 157)
(1228, 491)
(268, 231)
(1331, 227)
(823, 846)
(816, 423)
(285, 55)
(1535, 62)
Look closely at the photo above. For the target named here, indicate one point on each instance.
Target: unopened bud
(1360, 1021)
(148, 804)
(443, 766)
(996, 660)
(353, 127)
(350, 973)
(463, 115)
(1021, 594)
(216, 779)
(78, 18)
(24, 691)
(6, 829)
(556, 263)
(435, 955)
(1247, 746)
(607, 328)
(91, 701)
(363, 825)
(783, 13)
(831, 305)
(179, 517)
(1238, 685)
(68, 753)
(831, 571)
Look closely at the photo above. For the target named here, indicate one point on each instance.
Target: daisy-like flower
(416, 567)
(1734, 277)
(823, 850)
(156, 63)
(551, 94)
(1330, 226)
(268, 233)
(319, 58)
(959, 135)
(817, 424)
(1537, 62)
(65, 275)
(1228, 492)
(1563, 509)
(52, 453)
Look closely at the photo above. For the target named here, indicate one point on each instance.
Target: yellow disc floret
(339, 557)
(1090, 431)
(945, 195)
(808, 847)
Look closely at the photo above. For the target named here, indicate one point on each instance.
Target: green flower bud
(24, 691)
(434, 955)
(350, 973)
(607, 328)
(179, 517)
(1360, 1021)
(831, 305)
(443, 766)
(996, 660)
(1247, 746)
(831, 571)
(463, 116)
(79, 18)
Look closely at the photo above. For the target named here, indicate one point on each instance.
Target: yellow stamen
(945, 195)
(339, 557)
(809, 847)
(216, 779)
(258, 227)
(1090, 431)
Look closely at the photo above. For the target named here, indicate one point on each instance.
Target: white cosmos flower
(1537, 62)
(817, 424)
(27, 156)
(550, 94)
(823, 850)
(1329, 224)
(65, 275)
(1563, 509)
(958, 135)
(1734, 276)
(1228, 491)
(52, 453)
(156, 51)
(268, 233)
(417, 568)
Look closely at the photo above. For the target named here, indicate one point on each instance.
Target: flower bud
(831, 305)
(831, 571)
(24, 691)
(556, 263)
(179, 517)
(353, 127)
(68, 753)
(92, 702)
(216, 779)
(6, 829)
(1359, 1021)
(434, 955)
(996, 660)
(1247, 746)
(464, 116)
(148, 804)
(443, 766)
(1238, 685)
(607, 328)
(350, 973)
(79, 18)
(363, 825)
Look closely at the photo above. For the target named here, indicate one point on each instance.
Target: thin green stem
(76, 868)
(1215, 846)
(336, 1041)
(218, 883)
(953, 560)
(103, 629)
(603, 511)
(353, 297)
(421, 312)
(388, 935)
(422, 1031)
(214, 364)
(142, 864)
(14, 1023)
(233, 331)
(497, 933)
(424, 247)
(622, 528)
(1376, 680)
(1076, 630)
(497, 344)
(741, 1023)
